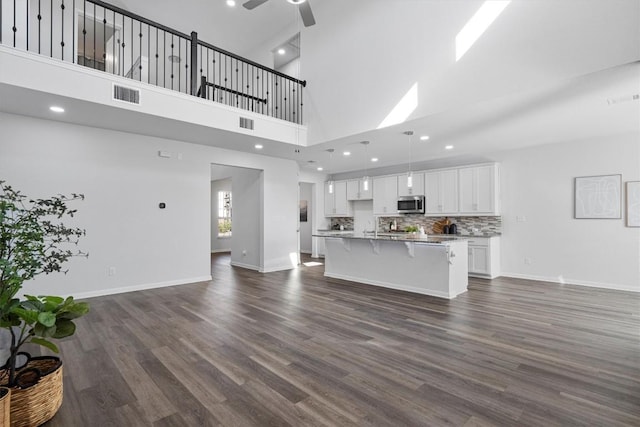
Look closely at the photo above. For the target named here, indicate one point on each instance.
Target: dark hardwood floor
(295, 348)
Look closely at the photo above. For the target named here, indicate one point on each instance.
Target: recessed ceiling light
(448, 147)
(281, 51)
(320, 169)
(231, 3)
(296, 1)
(424, 137)
(374, 159)
(258, 146)
(347, 153)
(56, 109)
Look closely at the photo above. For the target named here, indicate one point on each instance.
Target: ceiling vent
(246, 123)
(126, 94)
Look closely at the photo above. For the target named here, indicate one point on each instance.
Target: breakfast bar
(436, 266)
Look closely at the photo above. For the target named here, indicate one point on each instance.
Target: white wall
(538, 184)
(218, 244)
(305, 227)
(246, 188)
(123, 180)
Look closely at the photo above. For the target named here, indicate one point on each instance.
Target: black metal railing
(101, 36)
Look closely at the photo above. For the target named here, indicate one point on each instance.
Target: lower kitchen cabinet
(484, 257)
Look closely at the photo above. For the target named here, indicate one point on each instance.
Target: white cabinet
(441, 192)
(478, 193)
(484, 256)
(385, 195)
(335, 203)
(417, 185)
(358, 189)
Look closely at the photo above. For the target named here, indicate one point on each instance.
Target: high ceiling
(235, 29)
(559, 109)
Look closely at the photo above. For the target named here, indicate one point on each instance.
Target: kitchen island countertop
(400, 237)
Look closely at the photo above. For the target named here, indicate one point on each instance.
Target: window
(224, 213)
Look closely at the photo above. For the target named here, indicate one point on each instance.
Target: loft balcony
(143, 66)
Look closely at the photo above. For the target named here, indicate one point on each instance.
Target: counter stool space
(429, 266)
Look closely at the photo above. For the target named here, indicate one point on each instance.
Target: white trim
(145, 286)
(247, 266)
(610, 286)
(274, 269)
(393, 286)
(217, 251)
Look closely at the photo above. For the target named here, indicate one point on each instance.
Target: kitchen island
(436, 266)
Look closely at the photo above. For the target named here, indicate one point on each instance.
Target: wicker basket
(38, 395)
(5, 406)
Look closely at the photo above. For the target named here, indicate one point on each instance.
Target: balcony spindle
(237, 82)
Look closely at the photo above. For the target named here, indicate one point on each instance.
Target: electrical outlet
(244, 252)
(527, 261)
(111, 271)
(521, 218)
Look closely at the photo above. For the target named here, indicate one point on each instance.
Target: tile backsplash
(466, 224)
(347, 223)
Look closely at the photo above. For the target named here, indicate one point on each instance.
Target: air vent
(246, 123)
(126, 94)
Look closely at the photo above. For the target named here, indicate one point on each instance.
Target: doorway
(236, 213)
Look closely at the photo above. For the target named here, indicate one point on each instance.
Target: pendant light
(365, 178)
(330, 151)
(409, 133)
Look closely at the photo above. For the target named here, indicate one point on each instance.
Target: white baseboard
(262, 270)
(611, 286)
(247, 266)
(276, 268)
(124, 289)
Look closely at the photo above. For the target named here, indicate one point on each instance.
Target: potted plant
(412, 229)
(33, 241)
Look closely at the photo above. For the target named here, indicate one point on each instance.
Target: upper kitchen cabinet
(417, 184)
(385, 195)
(441, 192)
(478, 190)
(358, 189)
(335, 199)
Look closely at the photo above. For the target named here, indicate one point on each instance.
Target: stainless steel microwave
(411, 204)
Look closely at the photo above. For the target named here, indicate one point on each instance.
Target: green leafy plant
(33, 241)
(411, 228)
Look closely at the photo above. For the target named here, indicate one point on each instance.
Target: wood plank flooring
(296, 349)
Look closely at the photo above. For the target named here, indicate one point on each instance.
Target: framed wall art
(598, 197)
(633, 203)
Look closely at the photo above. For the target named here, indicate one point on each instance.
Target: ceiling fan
(303, 6)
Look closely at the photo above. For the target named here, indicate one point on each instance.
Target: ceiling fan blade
(253, 4)
(307, 15)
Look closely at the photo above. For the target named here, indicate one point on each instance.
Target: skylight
(403, 109)
(478, 24)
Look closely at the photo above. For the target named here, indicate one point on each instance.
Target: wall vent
(246, 123)
(126, 94)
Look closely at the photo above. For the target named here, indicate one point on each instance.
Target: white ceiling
(235, 29)
(566, 110)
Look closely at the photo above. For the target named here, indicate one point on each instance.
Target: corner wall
(537, 185)
(124, 179)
